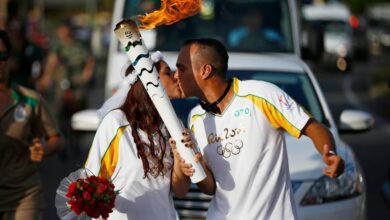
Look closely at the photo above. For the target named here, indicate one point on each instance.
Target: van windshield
(242, 25)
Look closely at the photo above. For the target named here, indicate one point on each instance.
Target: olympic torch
(128, 34)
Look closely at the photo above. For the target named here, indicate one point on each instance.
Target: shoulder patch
(29, 96)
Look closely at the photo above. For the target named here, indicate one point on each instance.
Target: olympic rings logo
(230, 148)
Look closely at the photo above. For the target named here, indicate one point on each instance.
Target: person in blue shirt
(253, 35)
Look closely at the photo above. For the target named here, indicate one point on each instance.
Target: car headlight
(326, 189)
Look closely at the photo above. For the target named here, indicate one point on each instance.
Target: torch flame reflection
(171, 11)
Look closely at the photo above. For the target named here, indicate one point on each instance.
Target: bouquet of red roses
(85, 195)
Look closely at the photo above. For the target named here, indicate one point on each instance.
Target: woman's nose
(176, 75)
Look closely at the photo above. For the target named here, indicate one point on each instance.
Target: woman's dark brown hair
(141, 114)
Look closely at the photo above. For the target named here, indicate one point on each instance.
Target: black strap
(213, 106)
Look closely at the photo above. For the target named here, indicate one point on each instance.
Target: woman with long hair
(132, 148)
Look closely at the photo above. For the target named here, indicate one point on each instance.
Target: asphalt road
(372, 148)
(343, 91)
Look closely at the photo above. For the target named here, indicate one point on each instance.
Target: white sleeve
(283, 111)
(103, 141)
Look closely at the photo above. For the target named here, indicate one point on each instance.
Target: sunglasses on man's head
(4, 56)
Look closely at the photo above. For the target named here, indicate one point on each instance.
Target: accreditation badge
(20, 114)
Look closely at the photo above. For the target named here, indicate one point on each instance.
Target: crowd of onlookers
(45, 76)
(57, 57)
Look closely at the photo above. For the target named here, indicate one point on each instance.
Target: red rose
(100, 189)
(90, 189)
(86, 195)
(84, 185)
(76, 207)
(71, 189)
(93, 179)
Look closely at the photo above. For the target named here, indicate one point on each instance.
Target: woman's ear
(206, 71)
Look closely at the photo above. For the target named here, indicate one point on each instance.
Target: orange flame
(171, 11)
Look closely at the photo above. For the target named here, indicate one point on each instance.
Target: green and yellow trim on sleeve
(110, 157)
(274, 116)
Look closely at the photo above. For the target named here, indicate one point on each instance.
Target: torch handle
(176, 128)
(130, 38)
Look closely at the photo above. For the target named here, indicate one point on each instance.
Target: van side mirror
(85, 120)
(312, 43)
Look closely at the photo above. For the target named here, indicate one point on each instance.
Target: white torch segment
(128, 34)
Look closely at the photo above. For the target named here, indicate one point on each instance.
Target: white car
(317, 196)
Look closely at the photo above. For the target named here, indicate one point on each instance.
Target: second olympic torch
(128, 34)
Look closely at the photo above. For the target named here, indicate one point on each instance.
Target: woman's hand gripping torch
(128, 34)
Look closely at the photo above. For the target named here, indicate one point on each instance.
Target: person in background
(28, 134)
(66, 80)
(253, 35)
(69, 69)
(246, 153)
(27, 57)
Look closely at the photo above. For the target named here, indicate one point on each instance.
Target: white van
(272, 55)
(333, 20)
(378, 16)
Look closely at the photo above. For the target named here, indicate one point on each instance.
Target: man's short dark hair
(221, 56)
(5, 38)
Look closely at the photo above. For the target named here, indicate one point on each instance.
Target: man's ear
(206, 71)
